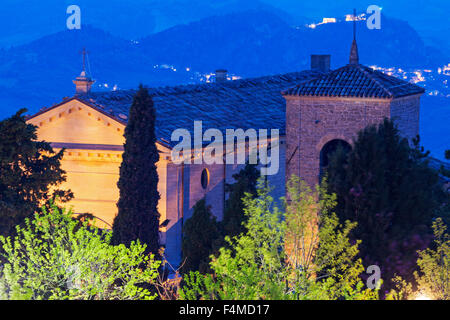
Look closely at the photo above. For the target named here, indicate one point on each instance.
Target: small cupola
(83, 82)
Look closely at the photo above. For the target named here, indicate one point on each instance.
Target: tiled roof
(248, 103)
(355, 80)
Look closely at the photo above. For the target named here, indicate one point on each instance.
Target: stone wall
(171, 235)
(405, 113)
(311, 122)
(194, 191)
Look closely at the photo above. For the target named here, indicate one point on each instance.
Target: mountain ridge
(248, 44)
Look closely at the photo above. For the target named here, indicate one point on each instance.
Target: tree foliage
(257, 264)
(138, 217)
(401, 290)
(234, 216)
(30, 172)
(203, 235)
(433, 277)
(387, 187)
(55, 257)
(443, 170)
(200, 239)
(318, 246)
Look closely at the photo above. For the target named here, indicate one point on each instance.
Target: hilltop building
(313, 109)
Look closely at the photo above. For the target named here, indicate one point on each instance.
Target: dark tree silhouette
(387, 187)
(234, 216)
(29, 170)
(138, 217)
(201, 238)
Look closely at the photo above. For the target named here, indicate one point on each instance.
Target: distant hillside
(41, 72)
(257, 43)
(250, 43)
(428, 18)
(22, 21)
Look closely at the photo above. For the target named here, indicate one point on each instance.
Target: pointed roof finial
(354, 56)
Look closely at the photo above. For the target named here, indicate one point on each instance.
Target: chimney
(221, 75)
(320, 62)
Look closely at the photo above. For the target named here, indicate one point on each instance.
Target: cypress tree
(387, 187)
(138, 217)
(29, 169)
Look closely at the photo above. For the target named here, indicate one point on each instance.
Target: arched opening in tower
(327, 152)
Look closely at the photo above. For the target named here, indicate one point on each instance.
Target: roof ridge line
(215, 85)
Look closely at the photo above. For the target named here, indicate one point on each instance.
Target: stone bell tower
(332, 108)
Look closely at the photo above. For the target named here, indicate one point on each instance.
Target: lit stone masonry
(311, 122)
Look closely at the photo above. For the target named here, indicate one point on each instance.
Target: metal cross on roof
(84, 53)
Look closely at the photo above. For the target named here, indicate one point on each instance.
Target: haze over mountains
(22, 21)
(257, 42)
(179, 41)
(248, 44)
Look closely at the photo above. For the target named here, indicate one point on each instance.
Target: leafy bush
(203, 235)
(434, 264)
(56, 257)
(433, 278)
(319, 249)
(280, 257)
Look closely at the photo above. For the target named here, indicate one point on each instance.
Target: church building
(312, 109)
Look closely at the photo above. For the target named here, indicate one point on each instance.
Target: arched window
(327, 151)
(205, 178)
